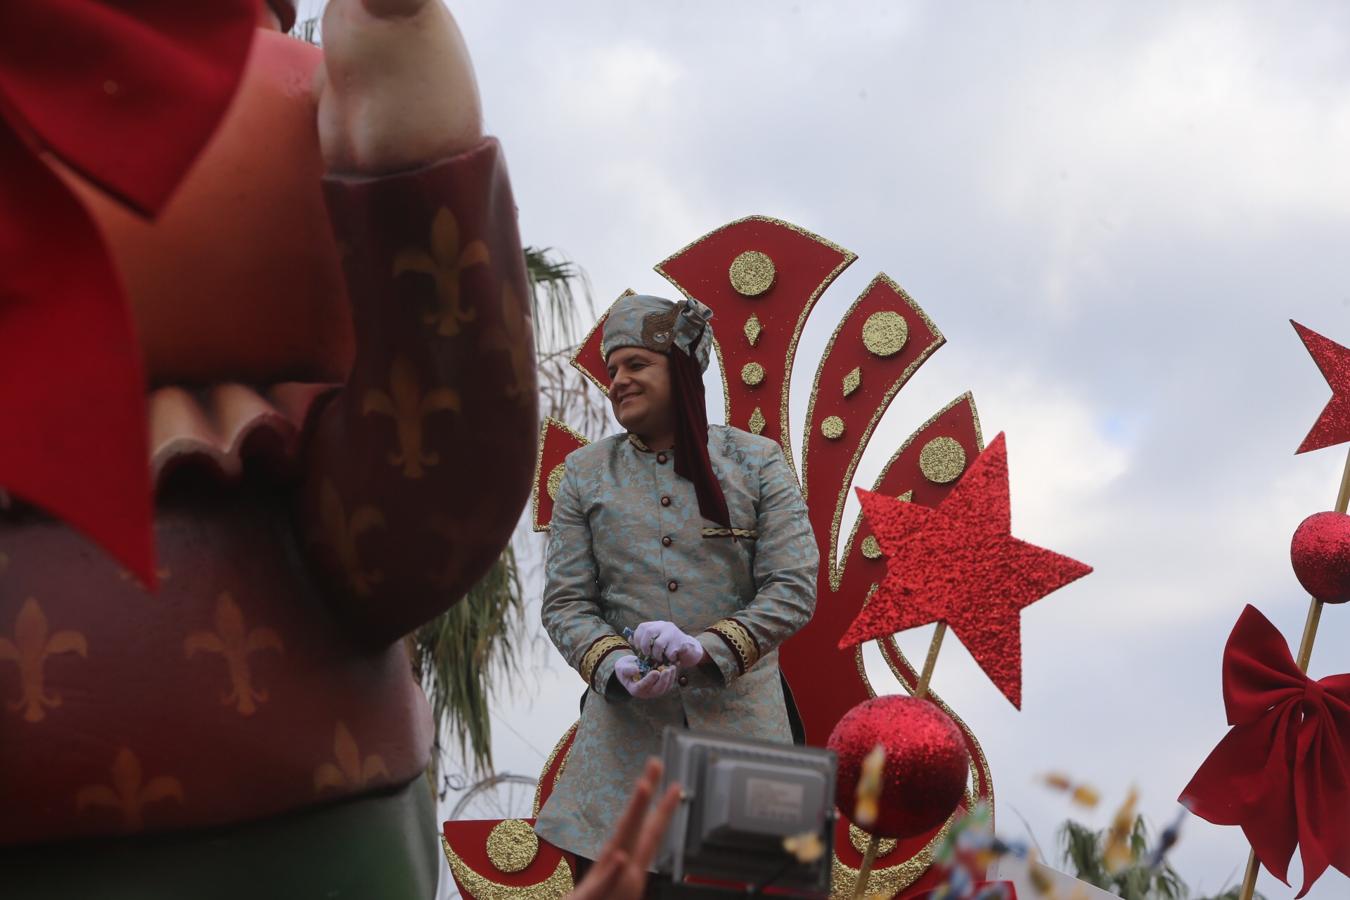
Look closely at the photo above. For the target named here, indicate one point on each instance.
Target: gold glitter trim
(785, 439)
(599, 323)
(539, 466)
(556, 886)
(512, 845)
(853, 380)
(750, 533)
(885, 333)
(860, 839)
(896, 385)
(752, 374)
(942, 460)
(753, 329)
(870, 548)
(889, 880)
(832, 428)
(741, 641)
(548, 764)
(600, 648)
(757, 422)
(555, 481)
(751, 273)
(837, 564)
(638, 443)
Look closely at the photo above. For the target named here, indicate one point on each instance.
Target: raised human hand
(620, 871)
(656, 683)
(396, 89)
(665, 641)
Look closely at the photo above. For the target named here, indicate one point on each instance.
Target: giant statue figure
(334, 402)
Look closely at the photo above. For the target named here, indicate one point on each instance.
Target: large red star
(959, 563)
(1333, 426)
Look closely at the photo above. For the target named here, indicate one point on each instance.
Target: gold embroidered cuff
(599, 649)
(748, 533)
(739, 639)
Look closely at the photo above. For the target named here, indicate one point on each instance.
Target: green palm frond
(469, 653)
(1082, 852)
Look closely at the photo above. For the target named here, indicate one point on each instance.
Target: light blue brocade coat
(609, 568)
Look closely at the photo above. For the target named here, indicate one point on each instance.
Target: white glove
(664, 641)
(655, 683)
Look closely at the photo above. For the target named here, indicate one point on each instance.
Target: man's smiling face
(639, 391)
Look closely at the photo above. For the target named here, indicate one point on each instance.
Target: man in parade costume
(697, 539)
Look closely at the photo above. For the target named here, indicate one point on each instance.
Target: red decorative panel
(556, 441)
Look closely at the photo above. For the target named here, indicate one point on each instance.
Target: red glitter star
(959, 563)
(1333, 426)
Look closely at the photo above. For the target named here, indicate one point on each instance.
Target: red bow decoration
(126, 94)
(1283, 771)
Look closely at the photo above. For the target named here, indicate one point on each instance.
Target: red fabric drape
(127, 94)
(1283, 772)
(691, 436)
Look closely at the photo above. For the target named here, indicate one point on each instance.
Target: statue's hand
(396, 89)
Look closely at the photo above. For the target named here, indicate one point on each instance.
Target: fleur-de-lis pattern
(236, 642)
(445, 262)
(341, 533)
(30, 648)
(349, 770)
(408, 407)
(129, 793)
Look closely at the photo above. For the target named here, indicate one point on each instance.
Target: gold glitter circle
(752, 373)
(751, 273)
(512, 845)
(832, 428)
(884, 333)
(942, 460)
(554, 481)
(859, 839)
(870, 548)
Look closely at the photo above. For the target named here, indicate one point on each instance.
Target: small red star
(1333, 426)
(959, 563)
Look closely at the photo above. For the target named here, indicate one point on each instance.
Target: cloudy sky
(1110, 210)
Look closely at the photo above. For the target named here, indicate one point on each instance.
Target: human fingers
(603, 877)
(654, 827)
(630, 820)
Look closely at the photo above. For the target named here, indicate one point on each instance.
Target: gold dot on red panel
(942, 460)
(512, 845)
(884, 333)
(555, 477)
(751, 273)
(870, 547)
(752, 374)
(757, 421)
(832, 428)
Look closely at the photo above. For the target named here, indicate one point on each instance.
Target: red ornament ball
(926, 763)
(1321, 556)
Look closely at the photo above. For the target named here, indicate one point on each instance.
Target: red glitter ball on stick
(959, 563)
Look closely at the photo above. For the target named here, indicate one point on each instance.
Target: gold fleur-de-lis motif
(30, 648)
(236, 643)
(350, 771)
(408, 407)
(445, 263)
(340, 534)
(128, 793)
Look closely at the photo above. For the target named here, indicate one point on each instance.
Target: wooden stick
(869, 859)
(921, 690)
(1304, 657)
